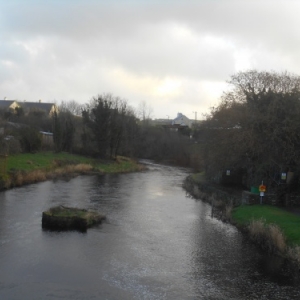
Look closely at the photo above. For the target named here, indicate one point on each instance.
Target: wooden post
(3, 164)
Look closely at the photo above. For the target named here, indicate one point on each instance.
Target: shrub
(267, 236)
(10, 145)
(82, 168)
(277, 238)
(34, 176)
(14, 146)
(30, 139)
(228, 211)
(294, 254)
(256, 228)
(5, 182)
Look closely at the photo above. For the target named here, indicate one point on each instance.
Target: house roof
(37, 106)
(181, 119)
(6, 103)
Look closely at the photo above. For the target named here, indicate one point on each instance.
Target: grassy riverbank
(272, 228)
(50, 160)
(289, 223)
(28, 168)
(43, 160)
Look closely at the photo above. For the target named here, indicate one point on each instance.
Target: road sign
(262, 188)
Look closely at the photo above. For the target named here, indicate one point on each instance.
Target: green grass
(42, 160)
(198, 177)
(122, 165)
(70, 218)
(67, 212)
(288, 222)
(46, 161)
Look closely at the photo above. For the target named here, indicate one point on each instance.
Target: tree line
(255, 130)
(104, 127)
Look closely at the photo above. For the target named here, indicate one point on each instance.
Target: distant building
(8, 105)
(47, 139)
(182, 120)
(48, 108)
(13, 105)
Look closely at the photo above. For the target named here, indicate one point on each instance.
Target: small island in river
(69, 218)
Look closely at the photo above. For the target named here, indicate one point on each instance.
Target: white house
(182, 120)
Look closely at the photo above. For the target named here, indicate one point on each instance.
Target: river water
(157, 243)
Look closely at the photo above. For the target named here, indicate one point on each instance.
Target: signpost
(262, 188)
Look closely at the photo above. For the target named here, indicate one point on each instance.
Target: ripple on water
(156, 244)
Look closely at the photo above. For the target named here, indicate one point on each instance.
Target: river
(157, 243)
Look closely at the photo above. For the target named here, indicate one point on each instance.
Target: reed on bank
(272, 228)
(289, 223)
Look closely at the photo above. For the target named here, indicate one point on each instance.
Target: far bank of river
(22, 169)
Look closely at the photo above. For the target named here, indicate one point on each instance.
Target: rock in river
(70, 218)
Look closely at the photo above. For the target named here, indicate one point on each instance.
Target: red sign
(262, 188)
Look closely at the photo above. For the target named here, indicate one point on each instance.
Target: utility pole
(195, 115)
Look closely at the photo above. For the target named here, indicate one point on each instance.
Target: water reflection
(156, 244)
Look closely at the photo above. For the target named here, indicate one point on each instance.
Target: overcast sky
(174, 55)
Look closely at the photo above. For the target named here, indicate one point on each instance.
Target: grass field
(49, 160)
(22, 169)
(43, 160)
(288, 222)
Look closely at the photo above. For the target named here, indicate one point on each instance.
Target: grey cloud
(272, 23)
(81, 20)
(82, 40)
(168, 57)
(10, 51)
(91, 19)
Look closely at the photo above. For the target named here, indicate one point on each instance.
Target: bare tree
(71, 106)
(256, 126)
(144, 111)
